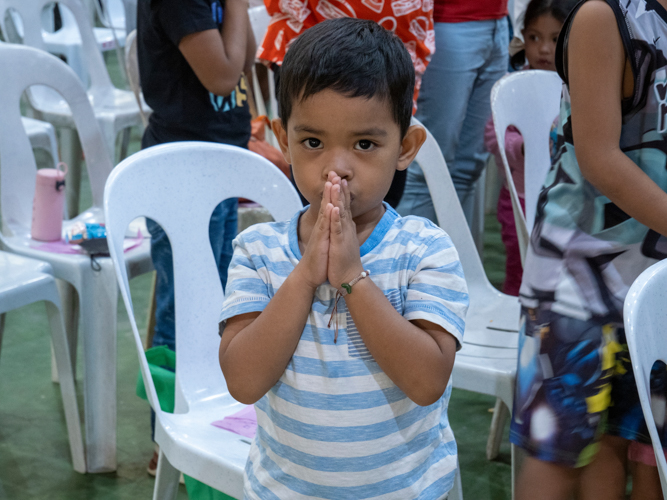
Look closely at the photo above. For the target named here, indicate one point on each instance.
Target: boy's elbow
(428, 395)
(243, 395)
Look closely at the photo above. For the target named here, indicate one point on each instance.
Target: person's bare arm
(255, 348)
(417, 356)
(596, 69)
(218, 58)
(251, 51)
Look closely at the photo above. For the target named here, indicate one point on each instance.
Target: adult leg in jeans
(469, 58)
(222, 230)
(470, 157)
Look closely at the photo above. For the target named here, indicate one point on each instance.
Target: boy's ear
(410, 146)
(281, 134)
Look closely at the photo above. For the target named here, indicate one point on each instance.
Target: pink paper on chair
(243, 422)
(131, 243)
(72, 249)
(59, 247)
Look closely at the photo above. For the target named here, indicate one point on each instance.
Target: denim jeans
(221, 230)
(454, 105)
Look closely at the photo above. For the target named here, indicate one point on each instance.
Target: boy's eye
(312, 143)
(364, 145)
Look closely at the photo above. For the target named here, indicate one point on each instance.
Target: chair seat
(121, 104)
(68, 266)
(66, 37)
(207, 453)
(20, 278)
(490, 375)
(492, 320)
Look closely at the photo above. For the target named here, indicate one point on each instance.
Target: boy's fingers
(325, 221)
(335, 194)
(326, 197)
(346, 192)
(340, 202)
(336, 227)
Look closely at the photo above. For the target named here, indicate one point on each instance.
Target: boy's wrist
(300, 276)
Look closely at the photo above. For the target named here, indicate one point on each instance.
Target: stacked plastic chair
(96, 286)
(115, 109)
(25, 281)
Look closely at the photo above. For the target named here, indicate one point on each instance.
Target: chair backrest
(529, 100)
(111, 13)
(28, 66)
(451, 217)
(178, 185)
(259, 21)
(132, 71)
(645, 317)
(30, 13)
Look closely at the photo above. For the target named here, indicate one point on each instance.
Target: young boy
(341, 325)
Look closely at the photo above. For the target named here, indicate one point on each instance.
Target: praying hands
(332, 253)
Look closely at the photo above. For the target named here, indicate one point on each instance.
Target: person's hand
(313, 265)
(344, 258)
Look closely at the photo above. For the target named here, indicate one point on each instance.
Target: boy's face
(355, 137)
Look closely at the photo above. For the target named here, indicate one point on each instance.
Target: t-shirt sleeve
(246, 290)
(437, 291)
(180, 18)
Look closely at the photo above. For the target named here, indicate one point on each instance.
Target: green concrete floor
(34, 451)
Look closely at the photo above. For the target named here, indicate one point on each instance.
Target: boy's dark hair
(558, 9)
(354, 57)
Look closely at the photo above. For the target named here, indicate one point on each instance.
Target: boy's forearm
(418, 364)
(258, 355)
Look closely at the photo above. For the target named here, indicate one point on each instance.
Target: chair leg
(98, 326)
(3, 316)
(456, 493)
(70, 310)
(150, 321)
(125, 143)
(67, 387)
(500, 416)
(477, 225)
(72, 156)
(166, 481)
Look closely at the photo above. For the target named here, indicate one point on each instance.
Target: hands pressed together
(332, 253)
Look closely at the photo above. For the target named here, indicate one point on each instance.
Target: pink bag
(47, 207)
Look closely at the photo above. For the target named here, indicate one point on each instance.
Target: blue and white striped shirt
(335, 426)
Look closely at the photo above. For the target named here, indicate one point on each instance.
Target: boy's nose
(339, 164)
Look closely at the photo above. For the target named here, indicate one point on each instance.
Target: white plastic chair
(259, 21)
(115, 109)
(25, 281)
(42, 136)
(97, 290)
(152, 183)
(132, 71)
(487, 362)
(65, 42)
(645, 317)
(529, 100)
